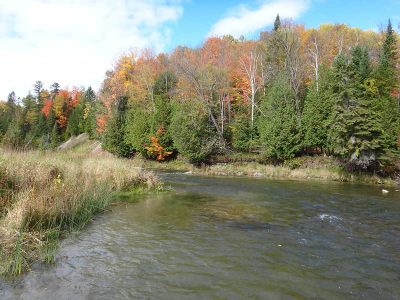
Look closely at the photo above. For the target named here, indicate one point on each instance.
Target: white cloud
(74, 42)
(247, 21)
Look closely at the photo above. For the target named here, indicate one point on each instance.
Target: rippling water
(231, 238)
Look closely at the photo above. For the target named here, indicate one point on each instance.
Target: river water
(231, 238)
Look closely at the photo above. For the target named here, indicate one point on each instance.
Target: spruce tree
(38, 87)
(114, 135)
(388, 85)
(356, 131)
(193, 136)
(317, 109)
(278, 125)
(76, 120)
(54, 89)
(138, 129)
(277, 23)
(241, 132)
(55, 136)
(340, 97)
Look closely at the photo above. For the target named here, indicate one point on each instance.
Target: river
(231, 238)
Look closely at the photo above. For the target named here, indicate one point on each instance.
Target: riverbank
(305, 168)
(43, 196)
(319, 168)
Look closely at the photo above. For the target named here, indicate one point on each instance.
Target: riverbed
(230, 238)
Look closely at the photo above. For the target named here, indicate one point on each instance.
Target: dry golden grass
(46, 194)
(309, 168)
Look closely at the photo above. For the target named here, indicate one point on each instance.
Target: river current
(231, 238)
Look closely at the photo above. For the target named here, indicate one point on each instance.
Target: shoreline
(46, 196)
(257, 170)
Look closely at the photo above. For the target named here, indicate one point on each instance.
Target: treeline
(292, 92)
(46, 118)
(332, 90)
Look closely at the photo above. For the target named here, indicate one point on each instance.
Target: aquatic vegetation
(225, 209)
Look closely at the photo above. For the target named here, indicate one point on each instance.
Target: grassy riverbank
(304, 168)
(43, 196)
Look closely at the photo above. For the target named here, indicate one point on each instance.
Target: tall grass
(303, 168)
(45, 195)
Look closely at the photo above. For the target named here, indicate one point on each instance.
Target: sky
(74, 42)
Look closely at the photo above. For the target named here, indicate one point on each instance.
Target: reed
(46, 195)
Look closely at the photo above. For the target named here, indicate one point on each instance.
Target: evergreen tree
(41, 126)
(51, 119)
(387, 71)
(11, 100)
(89, 118)
(339, 90)
(193, 137)
(54, 89)
(388, 86)
(114, 135)
(55, 136)
(75, 122)
(37, 88)
(277, 23)
(138, 129)
(278, 125)
(316, 112)
(241, 132)
(8, 113)
(14, 136)
(90, 95)
(357, 133)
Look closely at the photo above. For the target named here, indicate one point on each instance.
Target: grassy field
(43, 196)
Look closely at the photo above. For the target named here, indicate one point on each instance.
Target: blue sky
(74, 42)
(199, 16)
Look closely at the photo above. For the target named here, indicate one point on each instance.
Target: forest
(293, 92)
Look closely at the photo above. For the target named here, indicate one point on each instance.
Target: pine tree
(11, 99)
(75, 120)
(191, 132)
(340, 97)
(138, 129)
(90, 95)
(317, 109)
(14, 136)
(41, 126)
(38, 87)
(388, 86)
(55, 136)
(55, 88)
(279, 126)
(241, 132)
(114, 135)
(356, 131)
(387, 71)
(277, 23)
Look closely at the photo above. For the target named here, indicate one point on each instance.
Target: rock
(73, 142)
